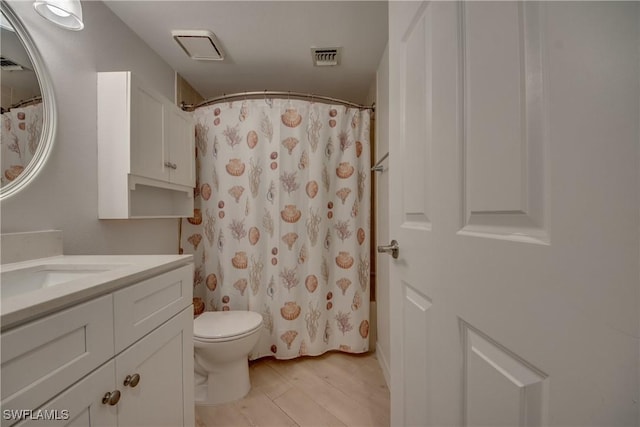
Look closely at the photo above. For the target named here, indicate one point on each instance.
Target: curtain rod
(33, 100)
(275, 94)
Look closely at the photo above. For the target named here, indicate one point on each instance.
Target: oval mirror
(28, 115)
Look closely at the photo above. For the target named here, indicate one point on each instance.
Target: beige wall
(382, 215)
(65, 195)
(186, 93)
(373, 317)
(17, 85)
(10, 96)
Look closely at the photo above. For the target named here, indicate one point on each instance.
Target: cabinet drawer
(42, 358)
(143, 307)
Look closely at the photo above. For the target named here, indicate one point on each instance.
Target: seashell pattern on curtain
(282, 222)
(21, 129)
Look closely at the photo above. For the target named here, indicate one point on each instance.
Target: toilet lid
(225, 324)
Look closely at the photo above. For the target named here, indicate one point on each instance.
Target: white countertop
(129, 269)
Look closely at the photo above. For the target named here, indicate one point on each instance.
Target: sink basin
(24, 280)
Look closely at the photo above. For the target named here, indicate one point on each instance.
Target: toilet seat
(215, 326)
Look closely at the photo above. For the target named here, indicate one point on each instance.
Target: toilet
(222, 343)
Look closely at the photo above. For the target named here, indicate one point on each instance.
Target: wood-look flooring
(335, 389)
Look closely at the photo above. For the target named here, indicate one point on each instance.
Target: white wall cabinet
(146, 151)
(140, 349)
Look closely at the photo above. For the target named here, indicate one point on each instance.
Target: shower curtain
(282, 222)
(21, 129)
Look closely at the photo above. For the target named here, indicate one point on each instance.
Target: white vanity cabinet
(146, 151)
(122, 359)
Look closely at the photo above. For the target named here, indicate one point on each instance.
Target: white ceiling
(267, 43)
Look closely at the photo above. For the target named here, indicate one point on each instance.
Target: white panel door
(515, 186)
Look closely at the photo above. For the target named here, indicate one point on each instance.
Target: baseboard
(384, 365)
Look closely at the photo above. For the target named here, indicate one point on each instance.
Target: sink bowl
(24, 280)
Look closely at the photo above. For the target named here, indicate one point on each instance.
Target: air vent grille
(200, 45)
(9, 65)
(326, 57)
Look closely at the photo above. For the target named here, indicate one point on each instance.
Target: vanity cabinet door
(180, 143)
(42, 358)
(163, 361)
(149, 154)
(80, 405)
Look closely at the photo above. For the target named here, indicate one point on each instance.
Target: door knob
(393, 248)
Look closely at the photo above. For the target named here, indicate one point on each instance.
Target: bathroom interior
(200, 201)
(239, 265)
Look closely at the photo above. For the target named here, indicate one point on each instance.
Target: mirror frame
(45, 145)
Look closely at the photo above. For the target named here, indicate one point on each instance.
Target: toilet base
(222, 383)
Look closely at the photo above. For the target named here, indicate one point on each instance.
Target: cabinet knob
(170, 165)
(131, 380)
(111, 398)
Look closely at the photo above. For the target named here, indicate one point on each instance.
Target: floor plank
(335, 400)
(267, 380)
(305, 411)
(262, 411)
(220, 416)
(368, 393)
(335, 389)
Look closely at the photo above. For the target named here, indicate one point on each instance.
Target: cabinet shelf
(150, 198)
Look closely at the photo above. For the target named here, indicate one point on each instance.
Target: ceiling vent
(201, 45)
(9, 65)
(326, 56)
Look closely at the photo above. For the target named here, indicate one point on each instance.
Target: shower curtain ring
(267, 101)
